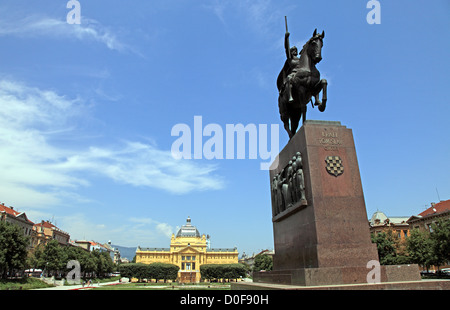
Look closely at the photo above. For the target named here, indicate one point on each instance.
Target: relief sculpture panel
(288, 186)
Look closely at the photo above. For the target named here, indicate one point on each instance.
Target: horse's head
(314, 46)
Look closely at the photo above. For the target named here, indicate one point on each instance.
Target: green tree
(386, 246)
(263, 262)
(54, 258)
(234, 271)
(103, 262)
(440, 238)
(162, 271)
(135, 270)
(125, 270)
(73, 253)
(420, 248)
(88, 264)
(13, 248)
(36, 259)
(207, 272)
(222, 271)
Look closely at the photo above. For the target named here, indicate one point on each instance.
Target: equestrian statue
(299, 81)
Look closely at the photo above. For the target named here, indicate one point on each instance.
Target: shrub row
(223, 271)
(157, 271)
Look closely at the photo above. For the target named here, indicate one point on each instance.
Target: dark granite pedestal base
(337, 275)
(437, 285)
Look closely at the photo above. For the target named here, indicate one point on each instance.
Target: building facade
(436, 212)
(9, 215)
(188, 250)
(379, 222)
(45, 231)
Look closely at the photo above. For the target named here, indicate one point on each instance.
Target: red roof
(11, 211)
(437, 208)
(45, 224)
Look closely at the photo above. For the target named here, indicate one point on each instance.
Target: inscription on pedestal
(330, 140)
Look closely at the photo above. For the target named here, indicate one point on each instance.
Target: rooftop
(187, 230)
(10, 211)
(379, 218)
(437, 208)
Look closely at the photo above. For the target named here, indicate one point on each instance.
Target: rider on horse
(299, 81)
(287, 74)
(290, 67)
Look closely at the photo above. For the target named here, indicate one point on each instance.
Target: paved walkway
(79, 287)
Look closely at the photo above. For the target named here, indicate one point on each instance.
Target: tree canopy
(13, 248)
(423, 247)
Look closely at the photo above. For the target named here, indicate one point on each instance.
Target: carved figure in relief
(274, 194)
(284, 190)
(299, 178)
(280, 198)
(288, 186)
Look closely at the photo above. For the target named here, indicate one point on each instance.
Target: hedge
(157, 271)
(222, 271)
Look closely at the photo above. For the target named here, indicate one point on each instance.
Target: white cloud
(81, 227)
(139, 164)
(89, 29)
(39, 172)
(148, 232)
(164, 229)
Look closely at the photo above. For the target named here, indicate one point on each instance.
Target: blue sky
(87, 110)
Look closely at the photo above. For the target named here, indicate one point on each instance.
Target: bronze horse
(299, 81)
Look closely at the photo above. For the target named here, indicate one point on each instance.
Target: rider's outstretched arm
(286, 45)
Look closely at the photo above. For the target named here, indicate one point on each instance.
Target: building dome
(378, 217)
(187, 230)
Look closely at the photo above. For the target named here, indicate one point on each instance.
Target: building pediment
(189, 250)
(22, 216)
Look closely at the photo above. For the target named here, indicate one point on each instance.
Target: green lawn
(22, 284)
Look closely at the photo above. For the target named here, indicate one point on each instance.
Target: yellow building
(188, 250)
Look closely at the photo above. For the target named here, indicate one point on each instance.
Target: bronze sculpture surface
(299, 81)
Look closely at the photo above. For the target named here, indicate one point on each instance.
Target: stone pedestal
(321, 236)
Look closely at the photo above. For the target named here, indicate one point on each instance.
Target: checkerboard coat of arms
(334, 165)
